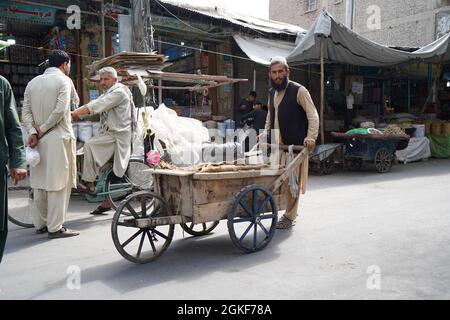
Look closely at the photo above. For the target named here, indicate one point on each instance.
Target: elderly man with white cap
(116, 109)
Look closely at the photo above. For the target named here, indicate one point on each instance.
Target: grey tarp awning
(436, 51)
(260, 50)
(342, 45)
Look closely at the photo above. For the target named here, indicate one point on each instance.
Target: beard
(280, 87)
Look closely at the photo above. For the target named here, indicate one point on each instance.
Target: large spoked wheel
(252, 218)
(354, 164)
(134, 237)
(135, 179)
(20, 213)
(199, 229)
(383, 160)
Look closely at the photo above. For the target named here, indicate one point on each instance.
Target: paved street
(395, 224)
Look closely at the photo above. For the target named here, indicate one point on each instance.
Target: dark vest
(292, 118)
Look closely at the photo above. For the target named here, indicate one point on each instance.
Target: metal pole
(159, 81)
(322, 90)
(409, 95)
(254, 79)
(103, 30)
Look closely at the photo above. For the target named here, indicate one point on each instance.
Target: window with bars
(310, 5)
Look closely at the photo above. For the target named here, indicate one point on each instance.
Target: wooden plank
(160, 221)
(200, 192)
(170, 172)
(177, 191)
(281, 146)
(219, 210)
(244, 174)
(212, 191)
(210, 212)
(185, 194)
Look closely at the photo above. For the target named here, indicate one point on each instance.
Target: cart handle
(282, 146)
(294, 164)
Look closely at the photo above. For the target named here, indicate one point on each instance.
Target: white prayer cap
(109, 70)
(279, 60)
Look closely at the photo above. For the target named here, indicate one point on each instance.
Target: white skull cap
(279, 59)
(109, 70)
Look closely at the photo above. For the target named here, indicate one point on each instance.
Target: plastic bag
(32, 156)
(181, 136)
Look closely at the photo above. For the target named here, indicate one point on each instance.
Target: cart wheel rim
(199, 229)
(383, 160)
(22, 213)
(141, 244)
(252, 218)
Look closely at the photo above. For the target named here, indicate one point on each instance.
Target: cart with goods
(247, 196)
(378, 149)
(321, 160)
(139, 70)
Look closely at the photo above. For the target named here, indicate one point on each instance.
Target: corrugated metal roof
(259, 24)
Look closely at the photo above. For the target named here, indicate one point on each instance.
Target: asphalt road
(360, 235)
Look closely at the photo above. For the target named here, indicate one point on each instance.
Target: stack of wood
(135, 68)
(125, 61)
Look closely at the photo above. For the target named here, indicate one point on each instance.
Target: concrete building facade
(403, 23)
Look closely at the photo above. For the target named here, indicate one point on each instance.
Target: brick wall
(409, 23)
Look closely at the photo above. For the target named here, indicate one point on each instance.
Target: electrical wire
(226, 54)
(173, 44)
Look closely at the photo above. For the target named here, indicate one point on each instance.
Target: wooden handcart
(378, 149)
(143, 225)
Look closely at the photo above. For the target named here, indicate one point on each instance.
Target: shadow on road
(185, 260)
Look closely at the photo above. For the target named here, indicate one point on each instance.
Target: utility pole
(103, 29)
(142, 33)
(142, 26)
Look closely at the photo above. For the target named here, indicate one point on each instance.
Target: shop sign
(27, 12)
(173, 24)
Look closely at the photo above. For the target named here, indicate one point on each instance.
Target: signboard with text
(27, 12)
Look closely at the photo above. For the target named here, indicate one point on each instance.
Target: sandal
(99, 211)
(41, 230)
(285, 223)
(84, 188)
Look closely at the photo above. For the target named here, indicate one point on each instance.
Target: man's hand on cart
(310, 144)
(75, 117)
(77, 113)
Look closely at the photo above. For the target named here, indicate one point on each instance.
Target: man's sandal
(42, 230)
(99, 211)
(285, 223)
(82, 188)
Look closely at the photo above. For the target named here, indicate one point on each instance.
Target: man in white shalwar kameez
(116, 109)
(46, 114)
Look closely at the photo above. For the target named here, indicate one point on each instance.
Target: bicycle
(107, 186)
